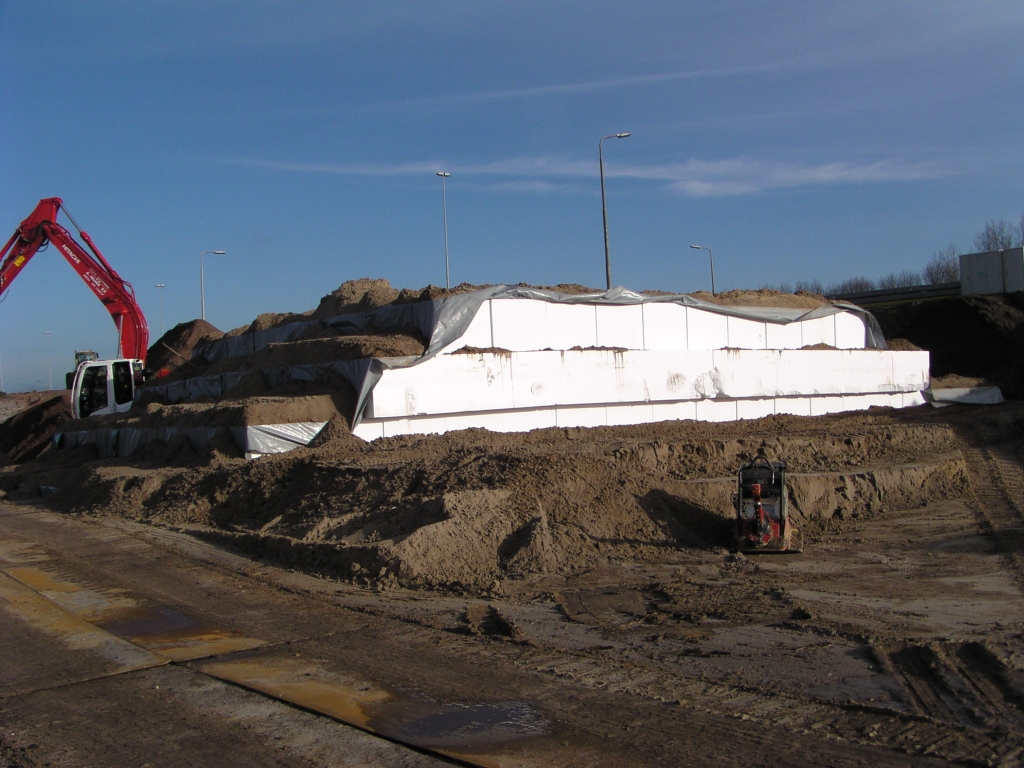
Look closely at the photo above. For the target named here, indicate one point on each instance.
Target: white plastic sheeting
(260, 440)
(253, 440)
(970, 395)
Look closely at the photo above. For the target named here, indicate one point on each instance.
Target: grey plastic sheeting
(252, 440)
(443, 321)
(275, 438)
(970, 395)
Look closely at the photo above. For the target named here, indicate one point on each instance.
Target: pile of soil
(463, 510)
(973, 336)
(174, 348)
(764, 297)
(30, 432)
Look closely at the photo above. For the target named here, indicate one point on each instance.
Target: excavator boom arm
(116, 294)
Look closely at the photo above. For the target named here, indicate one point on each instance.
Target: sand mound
(27, 434)
(764, 297)
(462, 510)
(973, 336)
(175, 347)
(356, 296)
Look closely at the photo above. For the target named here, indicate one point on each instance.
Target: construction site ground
(559, 597)
(894, 639)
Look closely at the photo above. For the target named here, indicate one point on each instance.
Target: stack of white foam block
(534, 364)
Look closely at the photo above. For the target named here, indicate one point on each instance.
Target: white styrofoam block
(629, 414)
(678, 376)
(716, 410)
(602, 376)
(911, 399)
(446, 384)
(747, 373)
(519, 324)
(851, 332)
(913, 367)
(479, 332)
(797, 406)
(538, 379)
(827, 404)
(786, 336)
(569, 325)
(664, 326)
(581, 416)
(706, 330)
(746, 334)
(820, 330)
(756, 408)
(678, 411)
(620, 326)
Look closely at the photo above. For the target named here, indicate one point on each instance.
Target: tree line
(944, 266)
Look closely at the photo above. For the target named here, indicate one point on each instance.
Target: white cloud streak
(695, 178)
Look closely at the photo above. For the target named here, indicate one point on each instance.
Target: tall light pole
(160, 293)
(604, 210)
(49, 366)
(202, 283)
(444, 204)
(712, 257)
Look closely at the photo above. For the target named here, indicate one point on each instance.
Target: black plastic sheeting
(442, 321)
(252, 440)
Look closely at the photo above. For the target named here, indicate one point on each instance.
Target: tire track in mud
(998, 482)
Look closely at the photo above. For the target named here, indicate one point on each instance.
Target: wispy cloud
(694, 178)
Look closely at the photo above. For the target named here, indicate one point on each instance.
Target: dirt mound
(175, 347)
(973, 336)
(27, 434)
(464, 509)
(356, 296)
(764, 297)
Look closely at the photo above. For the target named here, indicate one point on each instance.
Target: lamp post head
(219, 253)
(443, 175)
(160, 285)
(622, 135)
(698, 247)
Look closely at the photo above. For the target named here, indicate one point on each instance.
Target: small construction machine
(762, 514)
(99, 386)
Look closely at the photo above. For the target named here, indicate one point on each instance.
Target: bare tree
(904, 279)
(944, 266)
(851, 285)
(996, 236)
(810, 286)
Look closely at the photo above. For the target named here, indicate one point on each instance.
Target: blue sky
(798, 140)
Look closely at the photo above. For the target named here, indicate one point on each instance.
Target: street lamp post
(49, 365)
(712, 257)
(160, 293)
(604, 210)
(202, 283)
(444, 205)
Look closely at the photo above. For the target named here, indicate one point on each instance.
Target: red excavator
(100, 386)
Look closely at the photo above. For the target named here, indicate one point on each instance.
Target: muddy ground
(603, 555)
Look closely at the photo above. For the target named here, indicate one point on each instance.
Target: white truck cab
(104, 386)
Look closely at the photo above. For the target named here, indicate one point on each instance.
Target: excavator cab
(762, 513)
(104, 386)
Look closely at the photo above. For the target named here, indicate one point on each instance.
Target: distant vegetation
(944, 266)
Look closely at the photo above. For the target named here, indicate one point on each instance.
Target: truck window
(123, 383)
(93, 395)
